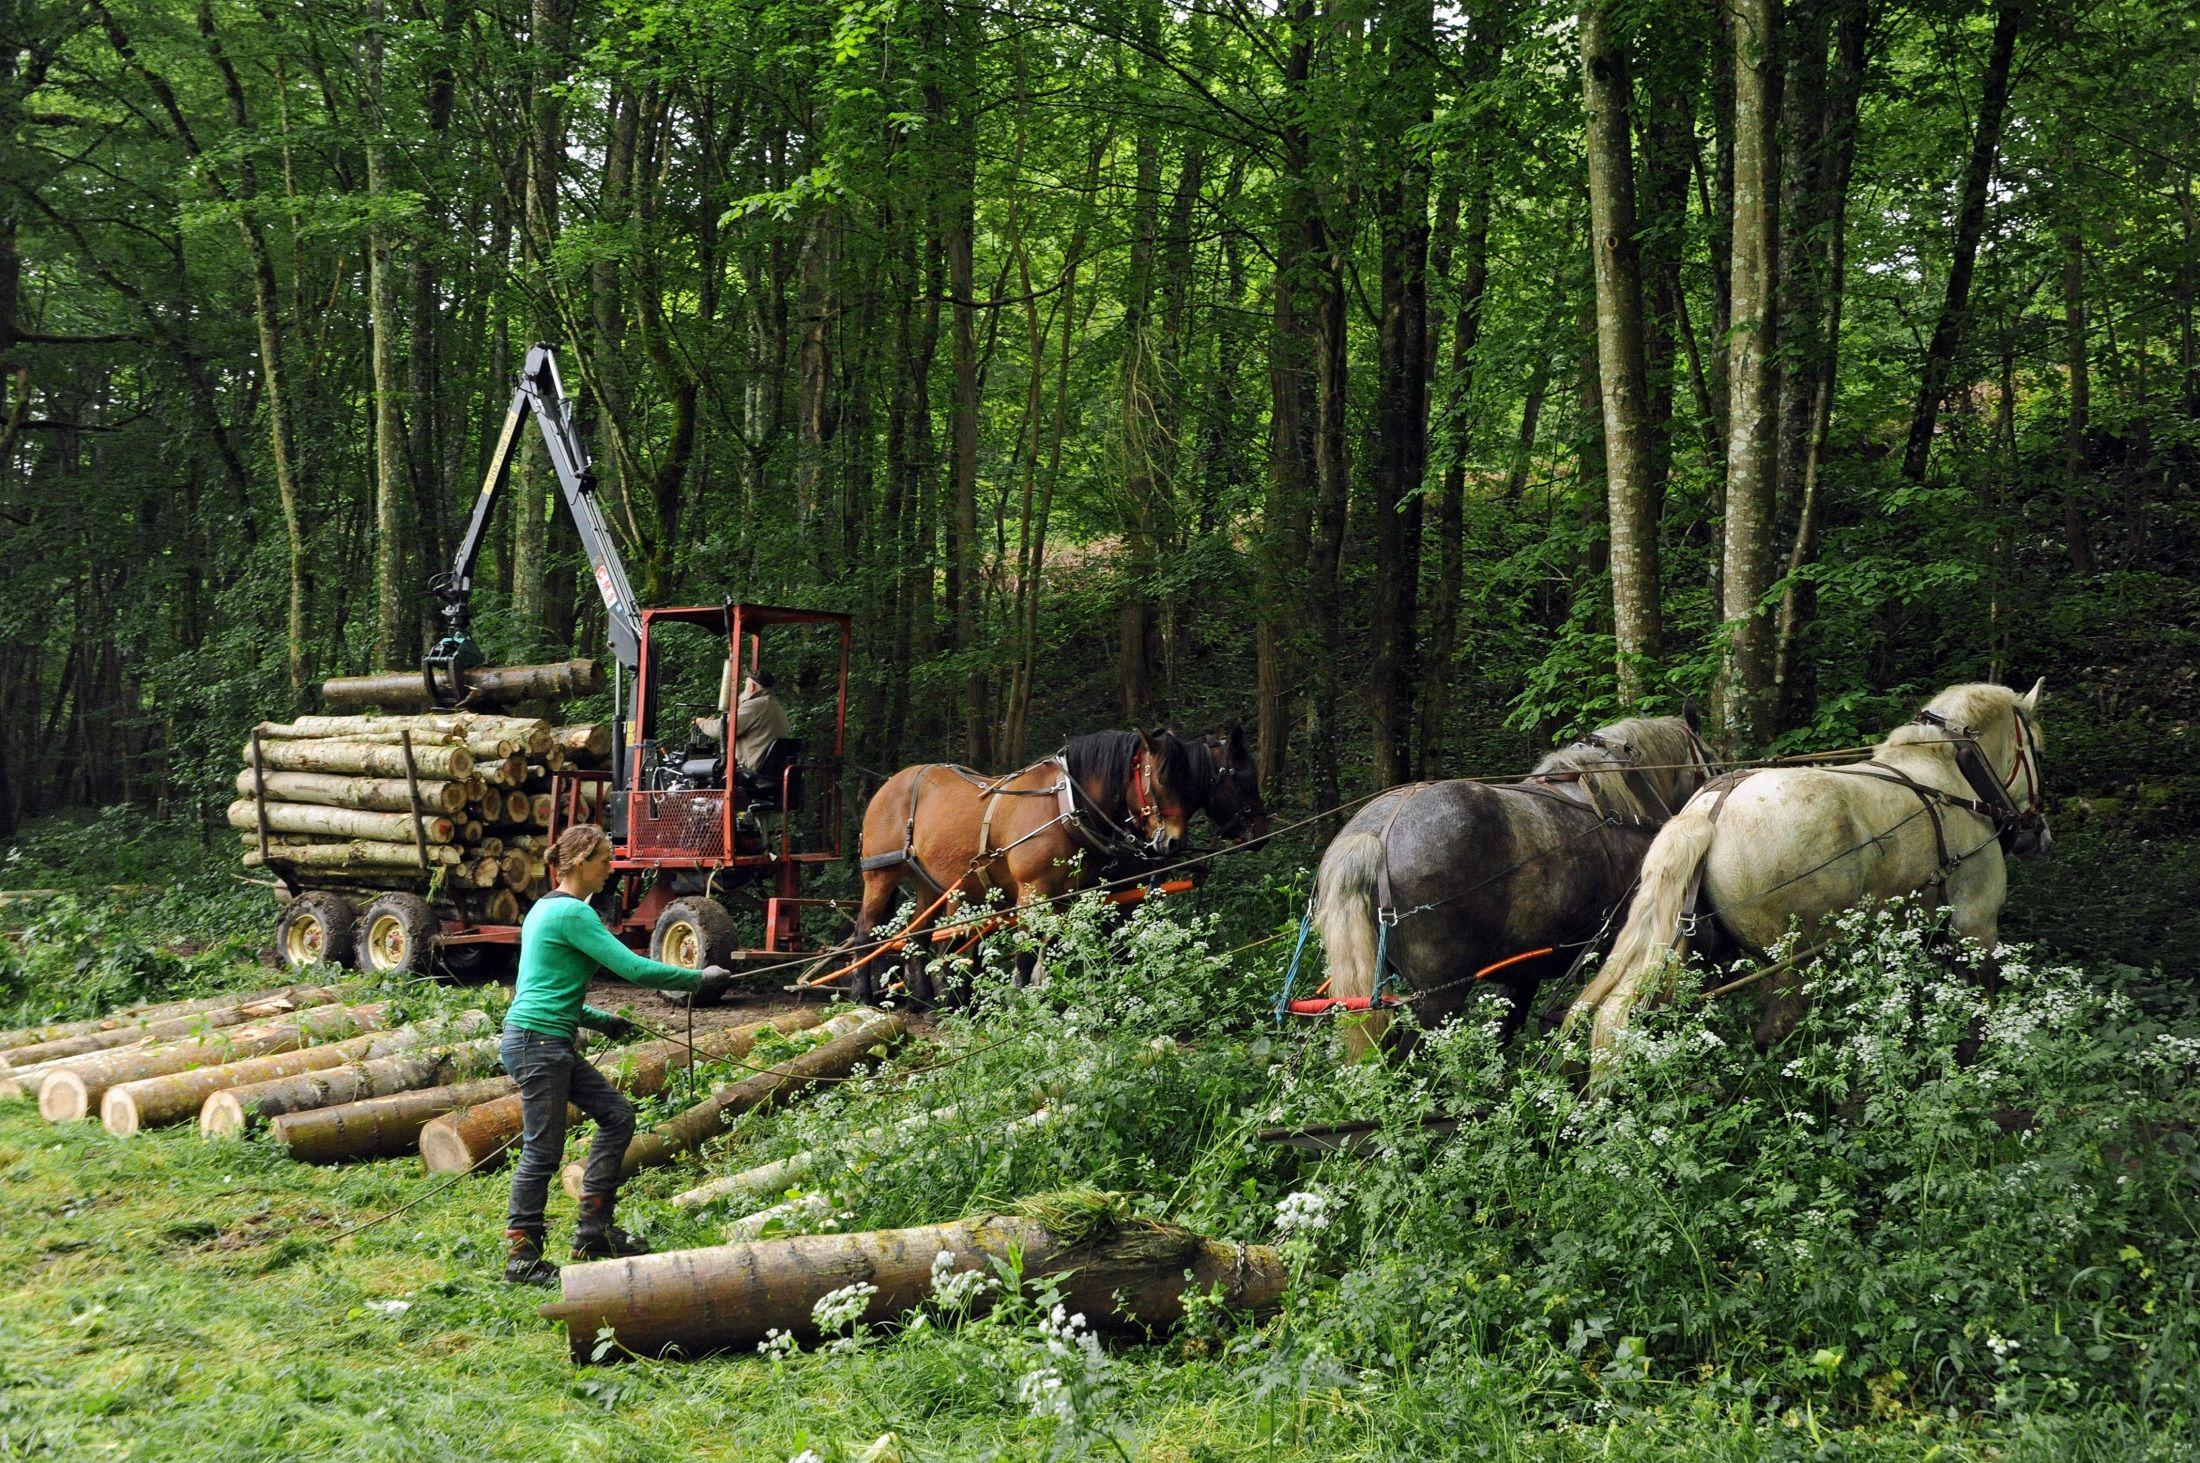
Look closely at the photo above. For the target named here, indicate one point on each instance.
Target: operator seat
(762, 787)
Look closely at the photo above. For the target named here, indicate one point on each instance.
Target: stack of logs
(451, 805)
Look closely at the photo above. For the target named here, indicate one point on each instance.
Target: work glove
(617, 1028)
(711, 989)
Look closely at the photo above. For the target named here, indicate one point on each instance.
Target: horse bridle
(2019, 827)
(1230, 773)
(1143, 804)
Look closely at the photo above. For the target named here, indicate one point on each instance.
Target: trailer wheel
(314, 927)
(693, 933)
(476, 963)
(396, 936)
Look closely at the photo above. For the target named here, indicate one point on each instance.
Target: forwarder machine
(690, 829)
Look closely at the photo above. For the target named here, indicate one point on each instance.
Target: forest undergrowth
(1852, 1246)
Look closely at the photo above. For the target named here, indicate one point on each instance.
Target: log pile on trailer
(380, 828)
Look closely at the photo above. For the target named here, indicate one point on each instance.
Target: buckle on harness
(1386, 917)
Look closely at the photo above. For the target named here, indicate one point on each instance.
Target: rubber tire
(396, 936)
(478, 963)
(692, 933)
(314, 927)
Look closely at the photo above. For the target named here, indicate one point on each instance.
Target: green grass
(1853, 1248)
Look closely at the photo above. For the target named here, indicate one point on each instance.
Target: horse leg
(1983, 970)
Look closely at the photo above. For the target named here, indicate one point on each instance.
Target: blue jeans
(551, 1076)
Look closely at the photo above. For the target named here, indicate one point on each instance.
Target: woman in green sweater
(562, 945)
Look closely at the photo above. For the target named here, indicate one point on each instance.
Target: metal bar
(412, 787)
(259, 794)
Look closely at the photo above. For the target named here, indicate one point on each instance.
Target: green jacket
(562, 944)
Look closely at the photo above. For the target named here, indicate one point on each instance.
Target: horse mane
(1979, 705)
(1107, 758)
(1663, 744)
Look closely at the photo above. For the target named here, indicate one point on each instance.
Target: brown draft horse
(1034, 835)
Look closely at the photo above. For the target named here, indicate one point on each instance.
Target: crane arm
(540, 394)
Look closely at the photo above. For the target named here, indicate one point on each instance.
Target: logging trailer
(688, 826)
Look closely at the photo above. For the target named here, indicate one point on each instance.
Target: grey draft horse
(1495, 885)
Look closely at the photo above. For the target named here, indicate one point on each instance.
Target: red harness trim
(1325, 1005)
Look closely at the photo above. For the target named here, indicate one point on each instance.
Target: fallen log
(363, 856)
(497, 684)
(72, 1092)
(126, 1016)
(171, 1028)
(865, 1031)
(462, 1141)
(731, 1296)
(367, 759)
(342, 822)
(151, 1102)
(242, 1108)
(369, 794)
(774, 1177)
(379, 1127)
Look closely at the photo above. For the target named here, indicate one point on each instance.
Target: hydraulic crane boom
(540, 394)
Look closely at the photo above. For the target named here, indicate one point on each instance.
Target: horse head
(1232, 801)
(1995, 735)
(1160, 797)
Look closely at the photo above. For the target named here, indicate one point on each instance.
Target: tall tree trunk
(962, 522)
(1802, 247)
(2075, 538)
(431, 448)
(530, 492)
(1286, 518)
(1746, 672)
(1794, 685)
(1940, 353)
(1140, 385)
(390, 628)
(1406, 29)
(1606, 93)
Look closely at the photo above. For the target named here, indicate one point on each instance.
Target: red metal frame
(698, 831)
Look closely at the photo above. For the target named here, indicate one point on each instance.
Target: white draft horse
(1936, 807)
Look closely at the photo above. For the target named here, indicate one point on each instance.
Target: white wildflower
(1303, 1213)
(836, 1310)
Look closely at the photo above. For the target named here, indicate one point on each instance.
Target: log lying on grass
(151, 1102)
(500, 684)
(23, 1060)
(241, 1108)
(856, 1036)
(380, 1127)
(479, 1135)
(363, 759)
(131, 1017)
(730, 1296)
(72, 1092)
(771, 1178)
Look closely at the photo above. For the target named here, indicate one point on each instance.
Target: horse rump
(1653, 928)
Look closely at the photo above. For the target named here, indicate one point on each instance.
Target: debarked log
(369, 794)
(480, 1135)
(497, 684)
(865, 1032)
(72, 1092)
(242, 1108)
(364, 856)
(362, 759)
(692, 1302)
(151, 1102)
(23, 1063)
(379, 1127)
(132, 1016)
(341, 822)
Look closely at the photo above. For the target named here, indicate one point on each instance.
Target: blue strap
(1382, 960)
(1291, 976)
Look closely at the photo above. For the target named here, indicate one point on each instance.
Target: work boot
(523, 1261)
(597, 1238)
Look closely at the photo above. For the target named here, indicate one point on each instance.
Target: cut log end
(64, 1098)
(118, 1112)
(223, 1116)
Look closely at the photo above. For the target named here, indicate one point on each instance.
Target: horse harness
(1112, 841)
(1994, 804)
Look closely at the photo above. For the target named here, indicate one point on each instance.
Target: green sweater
(562, 944)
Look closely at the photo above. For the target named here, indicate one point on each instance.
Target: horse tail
(1652, 932)
(1344, 912)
